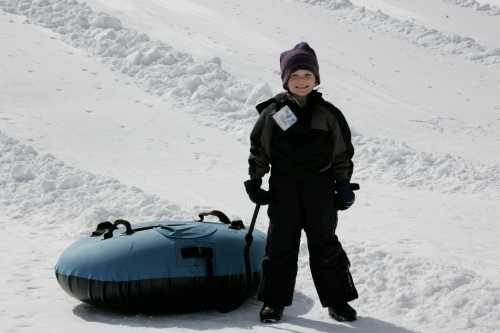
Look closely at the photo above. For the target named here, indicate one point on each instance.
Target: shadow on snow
(246, 317)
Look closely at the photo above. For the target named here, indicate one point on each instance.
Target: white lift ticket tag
(285, 118)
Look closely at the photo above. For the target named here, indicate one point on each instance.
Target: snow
(142, 110)
(379, 21)
(484, 7)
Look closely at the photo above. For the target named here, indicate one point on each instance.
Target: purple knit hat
(302, 56)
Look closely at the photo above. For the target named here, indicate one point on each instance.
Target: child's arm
(258, 161)
(343, 150)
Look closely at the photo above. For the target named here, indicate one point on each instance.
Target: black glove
(255, 193)
(344, 196)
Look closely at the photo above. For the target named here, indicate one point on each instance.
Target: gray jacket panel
(325, 116)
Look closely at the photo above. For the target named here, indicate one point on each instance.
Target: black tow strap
(248, 241)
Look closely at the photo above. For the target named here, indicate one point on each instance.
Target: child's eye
(305, 76)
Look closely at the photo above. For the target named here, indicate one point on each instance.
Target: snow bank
(156, 66)
(420, 35)
(397, 162)
(220, 100)
(480, 7)
(46, 193)
(424, 293)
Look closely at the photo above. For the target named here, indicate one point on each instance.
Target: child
(306, 143)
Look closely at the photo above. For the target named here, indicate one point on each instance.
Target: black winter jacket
(319, 141)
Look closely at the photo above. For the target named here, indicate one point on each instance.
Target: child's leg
(279, 265)
(327, 259)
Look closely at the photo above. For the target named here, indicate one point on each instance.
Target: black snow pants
(304, 203)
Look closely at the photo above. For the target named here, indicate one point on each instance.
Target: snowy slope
(132, 108)
(394, 84)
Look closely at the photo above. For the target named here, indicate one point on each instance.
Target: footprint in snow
(23, 326)
(33, 287)
(18, 316)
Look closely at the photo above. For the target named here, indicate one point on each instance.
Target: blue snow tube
(167, 266)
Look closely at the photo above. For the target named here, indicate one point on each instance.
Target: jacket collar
(282, 98)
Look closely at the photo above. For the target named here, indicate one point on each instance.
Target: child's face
(301, 82)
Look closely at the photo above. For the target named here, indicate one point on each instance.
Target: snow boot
(271, 314)
(342, 312)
